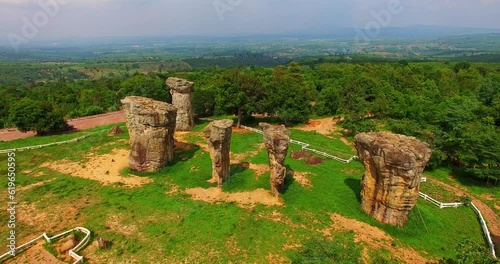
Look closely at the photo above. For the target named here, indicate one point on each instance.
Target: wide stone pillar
(151, 125)
(394, 166)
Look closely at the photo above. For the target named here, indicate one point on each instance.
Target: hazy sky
(219, 17)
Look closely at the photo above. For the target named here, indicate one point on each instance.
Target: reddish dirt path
(79, 123)
(492, 219)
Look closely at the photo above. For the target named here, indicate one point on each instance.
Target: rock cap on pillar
(151, 125)
(394, 165)
(218, 136)
(182, 98)
(276, 139)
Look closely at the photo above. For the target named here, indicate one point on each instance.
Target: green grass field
(148, 225)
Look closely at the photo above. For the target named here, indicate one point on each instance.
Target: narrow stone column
(182, 98)
(151, 125)
(218, 136)
(394, 166)
(276, 140)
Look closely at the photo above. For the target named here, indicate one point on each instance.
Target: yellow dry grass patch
(373, 238)
(243, 199)
(103, 168)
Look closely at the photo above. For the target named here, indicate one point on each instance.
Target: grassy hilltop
(319, 216)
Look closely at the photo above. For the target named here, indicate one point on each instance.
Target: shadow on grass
(200, 124)
(239, 168)
(183, 152)
(252, 121)
(355, 186)
(467, 179)
(289, 180)
(241, 179)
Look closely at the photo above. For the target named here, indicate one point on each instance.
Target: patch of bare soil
(240, 130)
(53, 218)
(182, 146)
(29, 214)
(104, 168)
(276, 259)
(324, 126)
(259, 169)
(352, 171)
(347, 142)
(234, 249)
(194, 169)
(314, 161)
(372, 237)
(288, 246)
(38, 174)
(300, 154)
(278, 217)
(241, 157)
(113, 143)
(488, 197)
(242, 199)
(115, 224)
(31, 186)
(301, 178)
(35, 254)
(174, 189)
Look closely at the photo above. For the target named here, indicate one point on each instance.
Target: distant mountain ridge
(416, 31)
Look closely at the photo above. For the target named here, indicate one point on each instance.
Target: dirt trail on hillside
(492, 218)
(326, 127)
(79, 124)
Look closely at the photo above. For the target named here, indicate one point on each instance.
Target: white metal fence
(438, 203)
(72, 252)
(306, 146)
(44, 145)
(485, 230)
(476, 210)
(4, 151)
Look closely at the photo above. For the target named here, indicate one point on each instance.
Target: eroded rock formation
(276, 140)
(394, 166)
(218, 136)
(151, 125)
(182, 98)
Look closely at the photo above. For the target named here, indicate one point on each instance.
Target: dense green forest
(455, 107)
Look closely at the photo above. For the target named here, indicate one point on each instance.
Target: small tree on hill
(29, 115)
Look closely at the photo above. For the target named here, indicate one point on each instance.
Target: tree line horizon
(455, 107)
